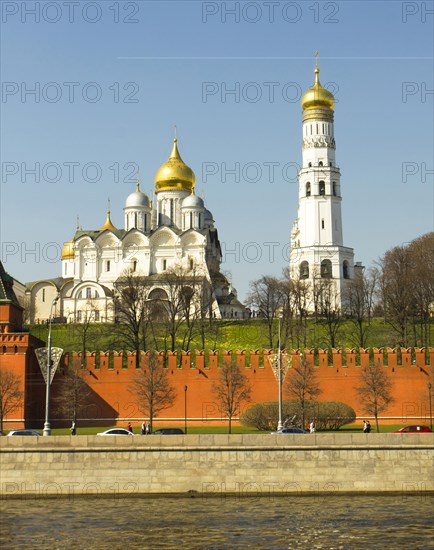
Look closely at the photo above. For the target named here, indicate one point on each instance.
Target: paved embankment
(216, 464)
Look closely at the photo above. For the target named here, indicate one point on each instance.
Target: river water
(211, 523)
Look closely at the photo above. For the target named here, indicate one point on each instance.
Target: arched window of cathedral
(191, 220)
(310, 165)
(322, 224)
(326, 269)
(96, 294)
(88, 292)
(304, 270)
(322, 188)
(79, 295)
(96, 315)
(191, 264)
(43, 294)
(334, 189)
(330, 163)
(107, 265)
(134, 266)
(164, 265)
(346, 270)
(320, 163)
(308, 189)
(78, 316)
(157, 294)
(135, 219)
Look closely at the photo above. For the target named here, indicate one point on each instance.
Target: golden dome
(317, 97)
(108, 224)
(174, 174)
(68, 251)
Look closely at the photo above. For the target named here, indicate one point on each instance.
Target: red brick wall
(111, 377)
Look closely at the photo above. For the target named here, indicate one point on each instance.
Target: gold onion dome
(108, 224)
(68, 251)
(174, 174)
(317, 97)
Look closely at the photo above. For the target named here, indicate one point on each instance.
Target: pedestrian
(148, 428)
(312, 427)
(365, 427)
(143, 428)
(129, 427)
(368, 427)
(73, 429)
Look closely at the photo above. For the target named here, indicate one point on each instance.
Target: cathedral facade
(177, 232)
(318, 255)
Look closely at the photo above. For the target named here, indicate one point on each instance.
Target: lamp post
(279, 366)
(47, 426)
(185, 408)
(430, 404)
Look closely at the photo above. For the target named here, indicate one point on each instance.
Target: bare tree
(302, 386)
(182, 303)
(152, 388)
(359, 303)
(266, 295)
(329, 308)
(73, 394)
(396, 288)
(133, 309)
(374, 390)
(232, 389)
(300, 295)
(421, 252)
(11, 395)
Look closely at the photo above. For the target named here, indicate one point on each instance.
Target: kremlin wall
(110, 377)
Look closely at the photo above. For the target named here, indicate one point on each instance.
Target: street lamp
(185, 408)
(47, 426)
(430, 404)
(279, 366)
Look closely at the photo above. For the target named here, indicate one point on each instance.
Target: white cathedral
(177, 233)
(317, 250)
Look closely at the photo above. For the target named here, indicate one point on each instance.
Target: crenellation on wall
(337, 358)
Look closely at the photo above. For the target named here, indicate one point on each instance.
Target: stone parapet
(217, 464)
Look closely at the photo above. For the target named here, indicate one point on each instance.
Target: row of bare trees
(151, 389)
(400, 287)
(179, 302)
(407, 290)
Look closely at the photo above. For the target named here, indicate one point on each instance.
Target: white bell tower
(317, 245)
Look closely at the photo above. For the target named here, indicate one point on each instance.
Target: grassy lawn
(350, 428)
(224, 335)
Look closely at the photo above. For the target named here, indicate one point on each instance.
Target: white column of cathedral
(317, 249)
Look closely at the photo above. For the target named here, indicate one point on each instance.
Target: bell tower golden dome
(317, 97)
(174, 174)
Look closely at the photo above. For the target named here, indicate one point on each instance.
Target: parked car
(413, 429)
(24, 432)
(290, 430)
(168, 431)
(116, 431)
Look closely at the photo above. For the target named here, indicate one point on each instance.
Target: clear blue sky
(172, 66)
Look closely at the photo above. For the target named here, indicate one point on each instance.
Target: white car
(116, 431)
(24, 432)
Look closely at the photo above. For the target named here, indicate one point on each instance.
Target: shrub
(328, 415)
